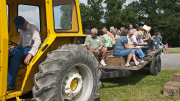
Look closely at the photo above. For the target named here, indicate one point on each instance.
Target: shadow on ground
(131, 80)
(121, 81)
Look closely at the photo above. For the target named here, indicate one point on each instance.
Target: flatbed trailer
(151, 60)
(115, 71)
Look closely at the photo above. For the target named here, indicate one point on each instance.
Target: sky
(31, 13)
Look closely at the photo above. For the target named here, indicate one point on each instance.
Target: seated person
(78, 42)
(114, 33)
(131, 28)
(118, 34)
(161, 38)
(110, 33)
(123, 49)
(157, 39)
(121, 29)
(88, 32)
(109, 42)
(134, 39)
(148, 37)
(26, 48)
(95, 45)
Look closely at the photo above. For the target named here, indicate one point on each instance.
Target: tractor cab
(59, 23)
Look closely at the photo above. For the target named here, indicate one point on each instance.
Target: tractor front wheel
(69, 73)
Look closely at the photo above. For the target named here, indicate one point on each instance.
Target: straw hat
(147, 28)
(140, 33)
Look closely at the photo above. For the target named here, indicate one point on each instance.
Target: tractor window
(7, 7)
(30, 13)
(65, 16)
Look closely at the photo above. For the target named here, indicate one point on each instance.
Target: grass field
(175, 50)
(138, 87)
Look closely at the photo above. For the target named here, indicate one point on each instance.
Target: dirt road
(170, 61)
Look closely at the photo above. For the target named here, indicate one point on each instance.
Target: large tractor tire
(159, 63)
(154, 66)
(70, 73)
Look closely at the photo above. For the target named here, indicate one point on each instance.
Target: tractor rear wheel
(154, 66)
(159, 63)
(69, 73)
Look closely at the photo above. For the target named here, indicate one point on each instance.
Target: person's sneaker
(103, 63)
(141, 61)
(11, 87)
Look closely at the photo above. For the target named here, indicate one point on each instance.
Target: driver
(26, 48)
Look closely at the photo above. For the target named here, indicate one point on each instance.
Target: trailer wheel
(154, 67)
(68, 73)
(159, 63)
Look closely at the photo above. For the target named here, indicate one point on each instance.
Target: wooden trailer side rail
(106, 73)
(115, 71)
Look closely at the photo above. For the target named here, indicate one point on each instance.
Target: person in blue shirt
(158, 39)
(122, 48)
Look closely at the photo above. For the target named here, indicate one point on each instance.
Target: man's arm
(144, 43)
(92, 50)
(37, 42)
(27, 59)
(146, 38)
(100, 48)
(129, 46)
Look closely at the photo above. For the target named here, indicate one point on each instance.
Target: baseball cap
(19, 22)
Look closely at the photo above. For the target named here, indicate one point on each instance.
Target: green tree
(65, 16)
(136, 6)
(85, 16)
(149, 12)
(170, 32)
(159, 14)
(129, 16)
(170, 25)
(91, 14)
(113, 13)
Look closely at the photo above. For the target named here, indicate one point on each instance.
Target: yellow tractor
(61, 70)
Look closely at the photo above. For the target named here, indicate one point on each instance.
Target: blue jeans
(158, 47)
(144, 50)
(125, 52)
(140, 53)
(150, 44)
(16, 55)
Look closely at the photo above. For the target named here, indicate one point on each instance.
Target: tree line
(163, 15)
